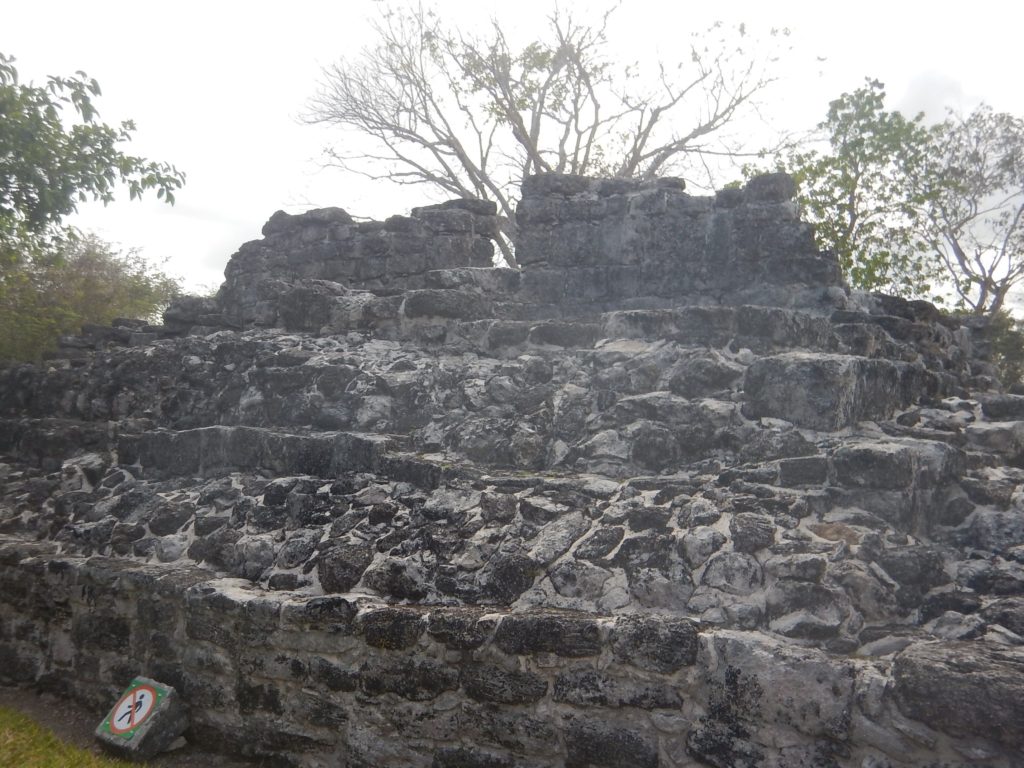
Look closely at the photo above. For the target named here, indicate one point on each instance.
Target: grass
(25, 744)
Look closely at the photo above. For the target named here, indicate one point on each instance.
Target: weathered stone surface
(733, 572)
(600, 543)
(935, 683)
(506, 577)
(651, 499)
(579, 580)
(996, 530)
(486, 682)
(593, 743)
(341, 567)
(391, 628)
(569, 636)
(1002, 407)
(825, 392)
(463, 757)
(803, 610)
(803, 567)
(460, 630)
(751, 531)
(585, 686)
(772, 681)
(700, 543)
(417, 681)
(657, 644)
(1007, 612)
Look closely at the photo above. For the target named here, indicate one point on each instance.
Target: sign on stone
(133, 708)
(146, 720)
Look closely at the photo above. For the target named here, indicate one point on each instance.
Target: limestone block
(801, 687)
(655, 643)
(824, 391)
(567, 636)
(933, 682)
(596, 743)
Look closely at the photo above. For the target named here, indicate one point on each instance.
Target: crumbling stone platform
(670, 495)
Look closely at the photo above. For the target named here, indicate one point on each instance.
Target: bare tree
(978, 214)
(473, 115)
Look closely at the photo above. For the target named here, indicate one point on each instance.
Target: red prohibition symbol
(133, 708)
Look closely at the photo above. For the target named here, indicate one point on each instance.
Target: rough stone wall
(328, 681)
(610, 242)
(408, 518)
(587, 246)
(327, 244)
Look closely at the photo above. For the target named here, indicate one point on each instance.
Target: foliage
(27, 745)
(473, 115)
(915, 210)
(55, 154)
(863, 193)
(86, 282)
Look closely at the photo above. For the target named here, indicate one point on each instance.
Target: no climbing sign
(145, 720)
(133, 708)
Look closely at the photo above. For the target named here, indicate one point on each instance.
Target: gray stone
(770, 188)
(506, 577)
(799, 567)
(486, 682)
(1002, 407)
(820, 609)
(770, 680)
(933, 682)
(568, 636)
(341, 566)
(421, 680)
(641, 501)
(996, 530)
(733, 572)
(460, 629)
(699, 544)
(824, 392)
(298, 548)
(594, 743)
(655, 643)
(600, 543)
(391, 628)
(751, 531)
(579, 580)
(463, 757)
(585, 686)
(1008, 612)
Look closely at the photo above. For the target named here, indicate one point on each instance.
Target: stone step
(760, 329)
(828, 392)
(219, 450)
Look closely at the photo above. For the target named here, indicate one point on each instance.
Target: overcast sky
(217, 88)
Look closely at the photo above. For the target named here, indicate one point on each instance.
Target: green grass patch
(25, 744)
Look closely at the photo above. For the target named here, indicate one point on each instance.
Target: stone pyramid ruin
(668, 495)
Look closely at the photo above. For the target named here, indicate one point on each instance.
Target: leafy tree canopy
(55, 154)
(87, 282)
(916, 210)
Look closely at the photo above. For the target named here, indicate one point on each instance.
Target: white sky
(216, 87)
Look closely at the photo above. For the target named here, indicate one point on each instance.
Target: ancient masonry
(671, 495)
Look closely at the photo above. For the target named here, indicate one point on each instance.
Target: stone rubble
(670, 495)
